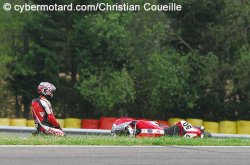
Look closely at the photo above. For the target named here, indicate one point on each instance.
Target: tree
(240, 95)
(219, 27)
(104, 51)
(109, 90)
(12, 44)
(145, 64)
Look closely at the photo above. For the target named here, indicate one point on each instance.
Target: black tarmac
(123, 155)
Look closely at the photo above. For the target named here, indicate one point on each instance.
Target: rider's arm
(51, 118)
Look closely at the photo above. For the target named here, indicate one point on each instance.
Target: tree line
(191, 63)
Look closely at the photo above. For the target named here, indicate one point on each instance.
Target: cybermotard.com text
(94, 7)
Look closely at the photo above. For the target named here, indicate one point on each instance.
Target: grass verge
(125, 141)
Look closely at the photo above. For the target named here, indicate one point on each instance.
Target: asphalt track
(121, 155)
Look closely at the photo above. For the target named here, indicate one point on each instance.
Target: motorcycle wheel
(207, 134)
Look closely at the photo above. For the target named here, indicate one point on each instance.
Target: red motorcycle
(144, 128)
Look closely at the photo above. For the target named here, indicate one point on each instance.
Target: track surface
(119, 155)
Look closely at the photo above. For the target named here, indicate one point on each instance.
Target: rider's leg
(52, 131)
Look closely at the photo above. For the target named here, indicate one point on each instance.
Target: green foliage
(152, 64)
(11, 39)
(108, 89)
(189, 27)
(230, 31)
(167, 73)
(120, 141)
(240, 95)
(4, 60)
(175, 83)
(243, 72)
(106, 39)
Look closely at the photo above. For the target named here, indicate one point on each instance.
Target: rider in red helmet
(45, 120)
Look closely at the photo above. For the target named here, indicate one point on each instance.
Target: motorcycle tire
(207, 134)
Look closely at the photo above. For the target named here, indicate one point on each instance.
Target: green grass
(126, 141)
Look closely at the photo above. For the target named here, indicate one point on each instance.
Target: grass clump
(120, 140)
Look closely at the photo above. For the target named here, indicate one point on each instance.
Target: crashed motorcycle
(144, 128)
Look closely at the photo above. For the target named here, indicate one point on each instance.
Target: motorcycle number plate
(186, 125)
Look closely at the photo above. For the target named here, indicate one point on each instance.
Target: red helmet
(46, 89)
